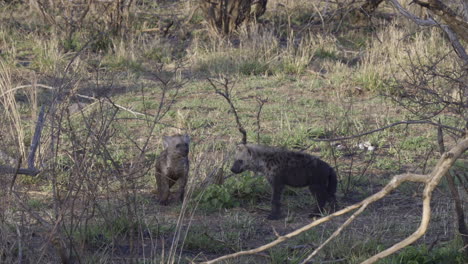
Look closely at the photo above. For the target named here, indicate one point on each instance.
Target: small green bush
(233, 192)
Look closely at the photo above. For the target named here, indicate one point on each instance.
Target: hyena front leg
(183, 183)
(276, 200)
(163, 187)
(321, 197)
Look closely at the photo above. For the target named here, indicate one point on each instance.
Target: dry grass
(322, 75)
(12, 112)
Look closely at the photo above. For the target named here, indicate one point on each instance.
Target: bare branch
(227, 95)
(15, 173)
(454, 23)
(422, 22)
(10, 170)
(36, 139)
(442, 167)
(135, 113)
(389, 126)
(261, 102)
(457, 46)
(336, 233)
(31, 170)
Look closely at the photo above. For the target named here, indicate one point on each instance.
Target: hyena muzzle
(283, 167)
(172, 165)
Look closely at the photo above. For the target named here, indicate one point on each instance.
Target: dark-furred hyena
(172, 165)
(282, 167)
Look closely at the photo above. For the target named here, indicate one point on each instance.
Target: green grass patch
(237, 190)
(422, 255)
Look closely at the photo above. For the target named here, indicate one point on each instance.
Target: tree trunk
(455, 195)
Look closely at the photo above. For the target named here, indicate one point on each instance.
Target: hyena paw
(164, 202)
(317, 213)
(274, 216)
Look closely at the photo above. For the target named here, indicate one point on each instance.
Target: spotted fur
(172, 165)
(283, 167)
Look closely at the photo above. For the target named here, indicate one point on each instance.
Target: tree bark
(455, 22)
(455, 195)
(465, 9)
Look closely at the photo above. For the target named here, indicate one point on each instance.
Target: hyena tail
(332, 183)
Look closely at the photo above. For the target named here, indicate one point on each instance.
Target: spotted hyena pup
(172, 165)
(282, 167)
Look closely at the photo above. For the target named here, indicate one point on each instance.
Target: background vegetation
(112, 77)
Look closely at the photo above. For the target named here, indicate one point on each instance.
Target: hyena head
(178, 144)
(243, 159)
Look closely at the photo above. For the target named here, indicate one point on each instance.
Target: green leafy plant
(233, 192)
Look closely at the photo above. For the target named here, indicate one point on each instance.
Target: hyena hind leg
(321, 196)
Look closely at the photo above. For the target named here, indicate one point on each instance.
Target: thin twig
(336, 233)
(261, 102)
(16, 173)
(227, 95)
(135, 113)
(388, 126)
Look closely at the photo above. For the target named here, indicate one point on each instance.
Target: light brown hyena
(283, 167)
(172, 165)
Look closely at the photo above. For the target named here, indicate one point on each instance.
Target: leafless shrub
(431, 87)
(95, 168)
(72, 16)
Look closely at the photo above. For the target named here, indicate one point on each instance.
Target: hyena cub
(172, 165)
(282, 167)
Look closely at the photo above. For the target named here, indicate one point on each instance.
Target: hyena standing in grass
(172, 165)
(282, 167)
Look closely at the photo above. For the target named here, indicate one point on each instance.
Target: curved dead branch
(455, 22)
(430, 181)
(454, 29)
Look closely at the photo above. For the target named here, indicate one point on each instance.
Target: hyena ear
(167, 141)
(243, 147)
(249, 151)
(240, 147)
(186, 139)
